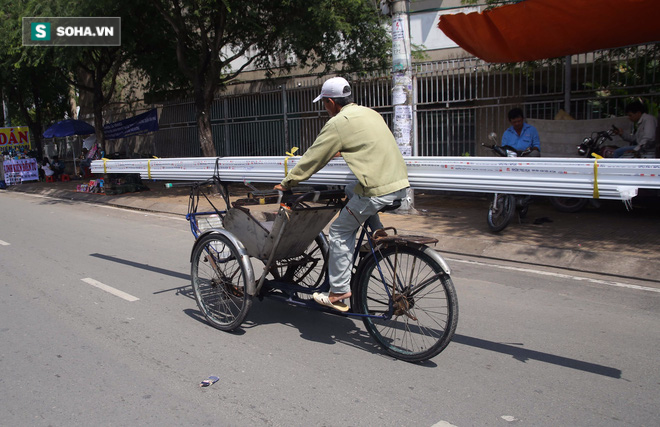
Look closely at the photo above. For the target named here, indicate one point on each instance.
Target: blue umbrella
(69, 127)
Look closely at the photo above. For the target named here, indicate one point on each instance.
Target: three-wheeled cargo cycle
(401, 288)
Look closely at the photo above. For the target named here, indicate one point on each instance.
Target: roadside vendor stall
(69, 127)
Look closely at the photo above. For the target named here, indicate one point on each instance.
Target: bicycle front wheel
(219, 280)
(421, 308)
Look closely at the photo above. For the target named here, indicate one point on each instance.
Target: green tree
(33, 90)
(94, 71)
(622, 77)
(273, 35)
(52, 71)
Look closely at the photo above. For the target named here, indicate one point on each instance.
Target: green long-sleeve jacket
(368, 147)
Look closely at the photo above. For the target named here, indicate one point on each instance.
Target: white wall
(424, 28)
(560, 138)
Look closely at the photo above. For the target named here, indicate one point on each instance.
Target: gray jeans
(343, 230)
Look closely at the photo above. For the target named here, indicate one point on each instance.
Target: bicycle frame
(196, 190)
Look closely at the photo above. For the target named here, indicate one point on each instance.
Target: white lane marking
(110, 289)
(560, 275)
(145, 213)
(509, 418)
(443, 424)
(3, 243)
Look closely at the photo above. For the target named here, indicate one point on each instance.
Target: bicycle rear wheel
(424, 305)
(219, 280)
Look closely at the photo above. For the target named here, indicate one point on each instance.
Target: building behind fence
(458, 102)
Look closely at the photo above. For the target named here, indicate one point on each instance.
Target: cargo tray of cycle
(401, 288)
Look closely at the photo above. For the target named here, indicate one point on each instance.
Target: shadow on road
(523, 355)
(181, 290)
(331, 329)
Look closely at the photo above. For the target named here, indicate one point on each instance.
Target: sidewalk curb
(574, 260)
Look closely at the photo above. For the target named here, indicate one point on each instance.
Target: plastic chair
(50, 178)
(65, 178)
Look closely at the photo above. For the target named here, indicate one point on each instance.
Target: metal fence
(458, 102)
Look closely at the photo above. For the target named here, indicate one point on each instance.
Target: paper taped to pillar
(14, 137)
(138, 125)
(400, 43)
(403, 122)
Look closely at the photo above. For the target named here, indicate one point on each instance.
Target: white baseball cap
(336, 87)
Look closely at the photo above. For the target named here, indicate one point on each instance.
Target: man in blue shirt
(520, 135)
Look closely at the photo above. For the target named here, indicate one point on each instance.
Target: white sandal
(324, 299)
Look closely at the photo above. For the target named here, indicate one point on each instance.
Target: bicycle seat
(394, 206)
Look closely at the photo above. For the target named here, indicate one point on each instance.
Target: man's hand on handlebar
(279, 187)
(615, 131)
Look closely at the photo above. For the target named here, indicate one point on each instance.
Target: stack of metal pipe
(563, 177)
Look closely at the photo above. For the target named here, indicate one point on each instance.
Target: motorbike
(597, 144)
(504, 207)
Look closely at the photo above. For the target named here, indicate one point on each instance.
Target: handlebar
(502, 150)
(291, 198)
(607, 133)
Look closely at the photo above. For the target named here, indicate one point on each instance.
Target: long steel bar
(568, 177)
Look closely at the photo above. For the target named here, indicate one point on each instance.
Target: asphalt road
(99, 327)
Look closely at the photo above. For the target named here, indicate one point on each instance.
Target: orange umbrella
(539, 29)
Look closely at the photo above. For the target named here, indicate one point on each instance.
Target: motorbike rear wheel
(501, 211)
(568, 204)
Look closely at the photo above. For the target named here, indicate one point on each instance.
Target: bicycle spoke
(423, 307)
(218, 278)
(307, 270)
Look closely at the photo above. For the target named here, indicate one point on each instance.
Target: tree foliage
(197, 46)
(32, 89)
(622, 71)
(216, 40)
(93, 70)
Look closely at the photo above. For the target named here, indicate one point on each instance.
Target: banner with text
(26, 168)
(14, 137)
(142, 123)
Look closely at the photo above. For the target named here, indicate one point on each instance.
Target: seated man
(85, 163)
(58, 167)
(520, 135)
(46, 170)
(642, 132)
